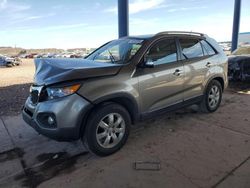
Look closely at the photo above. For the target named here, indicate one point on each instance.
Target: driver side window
(162, 52)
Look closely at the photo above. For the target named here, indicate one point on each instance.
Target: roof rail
(181, 32)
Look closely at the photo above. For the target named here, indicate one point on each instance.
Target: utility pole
(236, 24)
(123, 18)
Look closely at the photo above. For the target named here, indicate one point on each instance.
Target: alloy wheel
(110, 130)
(214, 97)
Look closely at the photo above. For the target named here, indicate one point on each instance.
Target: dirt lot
(193, 149)
(14, 86)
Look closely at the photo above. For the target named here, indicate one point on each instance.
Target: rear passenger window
(191, 48)
(208, 50)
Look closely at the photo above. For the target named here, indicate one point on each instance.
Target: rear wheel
(107, 129)
(212, 98)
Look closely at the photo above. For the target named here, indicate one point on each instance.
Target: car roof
(164, 33)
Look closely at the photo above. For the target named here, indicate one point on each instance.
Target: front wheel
(212, 97)
(107, 129)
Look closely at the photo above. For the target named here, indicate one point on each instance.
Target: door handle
(177, 72)
(208, 64)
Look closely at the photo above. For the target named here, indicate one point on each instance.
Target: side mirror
(148, 63)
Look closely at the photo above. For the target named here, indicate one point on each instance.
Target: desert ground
(192, 149)
(14, 86)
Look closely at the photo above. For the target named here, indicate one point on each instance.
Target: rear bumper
(68, 112)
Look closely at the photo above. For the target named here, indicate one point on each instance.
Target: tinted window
(162, 52)
(208, 50)
(191, 48)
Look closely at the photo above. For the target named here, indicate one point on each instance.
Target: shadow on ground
(243, 87)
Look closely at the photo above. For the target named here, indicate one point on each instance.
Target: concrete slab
(5, 144)
(37, 148)
(237, 116)
(11, 182)
(194, 150)
(10, 164)
(192, 154)
(240, 178)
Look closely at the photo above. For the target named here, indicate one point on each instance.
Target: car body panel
(159, 87)
(51, 71)
(97, 89)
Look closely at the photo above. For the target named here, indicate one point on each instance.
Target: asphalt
(191, 149)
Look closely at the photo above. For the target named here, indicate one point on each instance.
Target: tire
(112, 123)
(9, 65)
(213, 93)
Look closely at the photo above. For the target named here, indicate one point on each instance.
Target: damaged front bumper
(60, 119)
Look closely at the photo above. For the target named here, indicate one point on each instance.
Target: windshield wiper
(111, 57)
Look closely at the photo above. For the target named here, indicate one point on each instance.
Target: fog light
(51, 120)
(46, 120)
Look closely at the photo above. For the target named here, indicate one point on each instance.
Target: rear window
(191, 48)
(208, 50)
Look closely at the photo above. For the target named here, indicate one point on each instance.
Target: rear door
(196, 57)
(161, 85)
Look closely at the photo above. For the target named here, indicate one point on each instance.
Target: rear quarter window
(191, 48)
(208, 50)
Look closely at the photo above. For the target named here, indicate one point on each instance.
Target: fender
(125, 99)
(212, 78)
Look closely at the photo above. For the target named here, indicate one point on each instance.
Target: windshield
(117, 51)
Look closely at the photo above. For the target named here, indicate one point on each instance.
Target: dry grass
(242, 51)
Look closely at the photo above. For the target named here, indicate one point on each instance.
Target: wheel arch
(123, 99)
(219, 78)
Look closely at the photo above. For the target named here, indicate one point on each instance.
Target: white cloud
(186, 8)
(141, 5)
(13, 11)
(10, 7)
(218, 26)
(50, 28)
(32, 17)
(3, 4)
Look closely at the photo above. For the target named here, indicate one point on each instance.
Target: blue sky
(83, 23)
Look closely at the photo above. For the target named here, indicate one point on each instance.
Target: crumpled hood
(51, 71)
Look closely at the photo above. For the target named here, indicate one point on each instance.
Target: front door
(161, 82)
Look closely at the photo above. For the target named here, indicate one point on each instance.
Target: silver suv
(96, 99)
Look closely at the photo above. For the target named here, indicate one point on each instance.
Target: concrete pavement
(193, 149)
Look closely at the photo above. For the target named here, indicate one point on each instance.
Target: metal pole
(236, 24)
(123, 18)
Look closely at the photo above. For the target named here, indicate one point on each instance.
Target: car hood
(51, 71)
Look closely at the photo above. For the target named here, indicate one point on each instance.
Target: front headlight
(57, 92)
